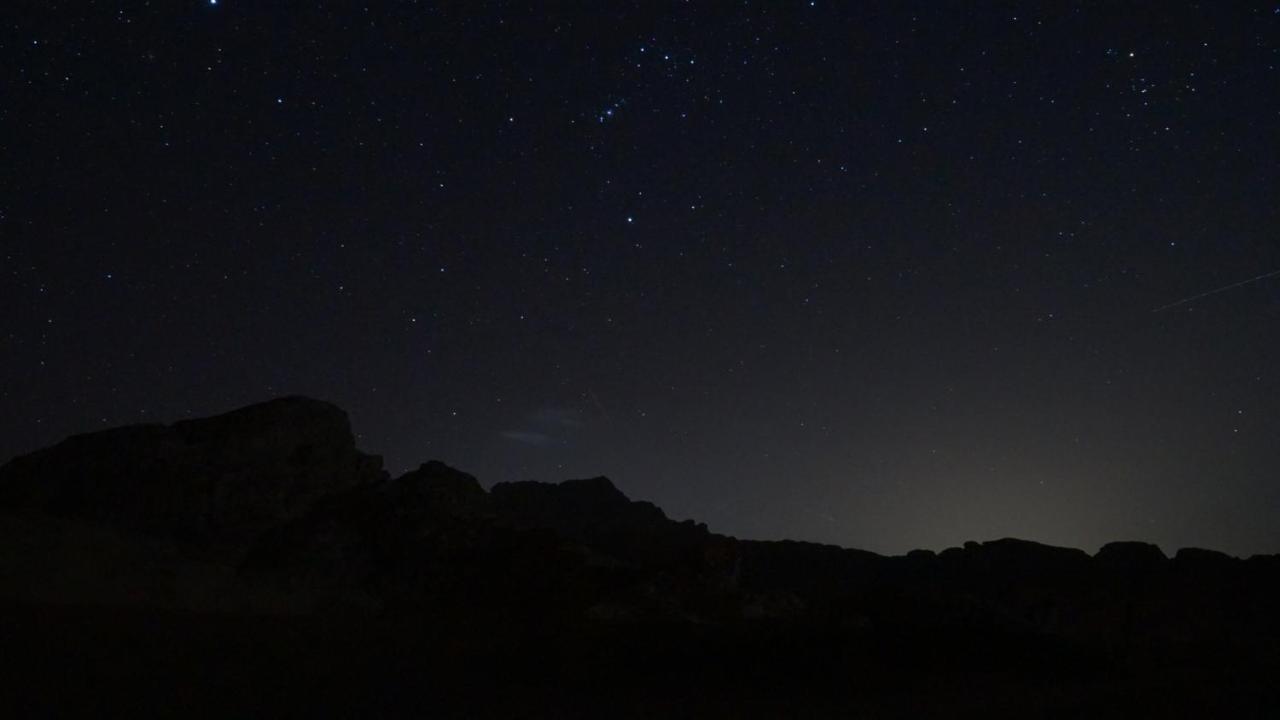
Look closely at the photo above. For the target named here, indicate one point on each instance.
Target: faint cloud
(524, 437)
(547, 426)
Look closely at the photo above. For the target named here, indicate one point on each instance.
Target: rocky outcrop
(573, 506)
(596, 513)
(385, 544)
(433, 537)
(1130, 558)
(442, 488)
(213, 483)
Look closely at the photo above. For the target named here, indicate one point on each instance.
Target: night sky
(878, 274)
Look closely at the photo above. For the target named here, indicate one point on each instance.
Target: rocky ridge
(271, 508)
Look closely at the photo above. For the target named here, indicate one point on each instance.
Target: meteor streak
(1186, 300)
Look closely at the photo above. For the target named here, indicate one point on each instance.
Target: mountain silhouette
(258, 562)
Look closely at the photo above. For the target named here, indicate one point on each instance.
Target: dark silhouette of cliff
(257, 562)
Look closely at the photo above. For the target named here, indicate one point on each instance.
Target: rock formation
(272, 509)
(211, 483)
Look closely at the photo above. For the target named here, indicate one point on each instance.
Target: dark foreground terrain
(256, 563)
